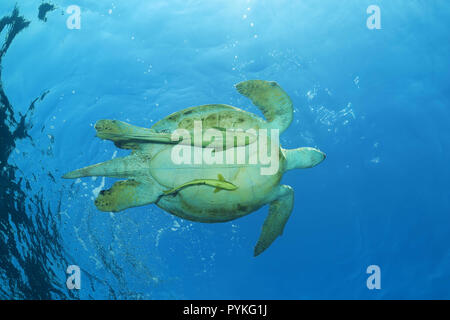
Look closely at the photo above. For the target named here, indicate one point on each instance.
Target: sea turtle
(214, 191)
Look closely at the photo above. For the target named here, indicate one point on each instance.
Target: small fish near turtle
(205, 192)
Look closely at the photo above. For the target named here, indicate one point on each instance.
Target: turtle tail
(115, 168)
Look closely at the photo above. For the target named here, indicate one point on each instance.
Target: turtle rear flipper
(279, 211)
(127, 194)
(127, 136)
(268, 96)
(122, 132)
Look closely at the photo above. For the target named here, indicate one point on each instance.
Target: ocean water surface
(375, 100)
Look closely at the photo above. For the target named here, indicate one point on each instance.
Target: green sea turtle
(206, 191)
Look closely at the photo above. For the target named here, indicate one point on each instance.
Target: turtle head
(302, 158)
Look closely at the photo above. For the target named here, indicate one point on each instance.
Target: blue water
(375, 100)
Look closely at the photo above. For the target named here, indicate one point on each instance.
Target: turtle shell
(219, 116)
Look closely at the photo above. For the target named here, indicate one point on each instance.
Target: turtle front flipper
(279, 211)
(268, 96)
(127, 194)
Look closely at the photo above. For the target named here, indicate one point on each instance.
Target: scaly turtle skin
(205, 192)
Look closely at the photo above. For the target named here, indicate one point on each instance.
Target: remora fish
(219, 184)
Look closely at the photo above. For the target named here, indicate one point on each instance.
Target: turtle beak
(317, 157)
